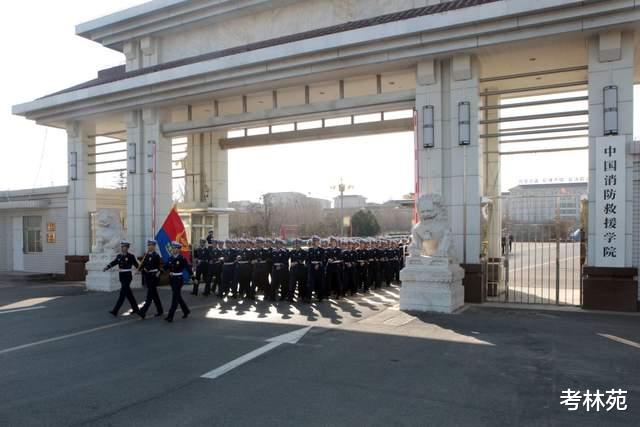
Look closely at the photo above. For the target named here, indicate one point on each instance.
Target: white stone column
(611, 62)
(442, 169)
(193, 169)
(149, 189)
(464, 179)
(216, 179)
(429, 93)
(82, 189)
(492, 187)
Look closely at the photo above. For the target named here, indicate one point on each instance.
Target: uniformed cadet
(125, 262)
(200, 256)
(218, 263)
(349, 260)
(372, 263)
(212, 268)
(210, 239)
(315, 261)
(401, 258)
(395, 247)
(261, 266)
(333, 278)
(279, 271)
(389, 263)
(176, 265)
(150, 266)
(228, 269)
(243, 269)
(362, 268)
(378, 256)
(298, 273)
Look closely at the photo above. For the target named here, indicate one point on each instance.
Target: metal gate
(543, 247)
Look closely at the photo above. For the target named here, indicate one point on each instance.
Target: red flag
(173, 230)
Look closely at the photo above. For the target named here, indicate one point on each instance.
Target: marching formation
(335, 267)
(244, 268)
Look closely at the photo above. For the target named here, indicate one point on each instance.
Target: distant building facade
(351, 201)
(543, 203)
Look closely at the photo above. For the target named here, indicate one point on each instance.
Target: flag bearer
(176, 265)
(125, 262)
(150, 268)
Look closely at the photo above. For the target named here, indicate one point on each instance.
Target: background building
(33, 226)
(541, 203)
(351, 201)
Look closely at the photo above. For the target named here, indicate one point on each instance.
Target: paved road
(65, 362)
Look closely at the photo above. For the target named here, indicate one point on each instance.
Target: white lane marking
(64, 337)
(22, 309)
(29, 302)
(621, 340)
(288, 338)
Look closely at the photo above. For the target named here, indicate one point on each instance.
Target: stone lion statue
(432, 236)
(108, 231)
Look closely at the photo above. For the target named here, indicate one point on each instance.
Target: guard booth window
(32, 232)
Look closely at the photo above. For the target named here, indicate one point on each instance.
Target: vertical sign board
(610, 212)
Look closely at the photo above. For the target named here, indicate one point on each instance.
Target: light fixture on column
(464, 123)
(610, 99)
(131, 157)
(428, 138)
(73, 166)
(151, 154)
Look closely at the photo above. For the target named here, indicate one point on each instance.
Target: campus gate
(543, 249)
(535, 237)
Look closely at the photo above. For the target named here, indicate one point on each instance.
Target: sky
(42, 55)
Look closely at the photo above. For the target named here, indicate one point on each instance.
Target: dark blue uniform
(151, 264)
(200, 256)
(298, 275)
(315, 261)
(125, 263)
(333, 278)
(362, 255)
(349, 260)
(214, 270)
(243, 273)
(279, 274)
(261, 269)
(390, 265)
(228, 273)
(373, 268)
(176, 265)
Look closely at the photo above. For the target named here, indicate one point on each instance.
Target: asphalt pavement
(64, 361)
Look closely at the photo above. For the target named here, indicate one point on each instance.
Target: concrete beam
(356, 105)
(334, 132)
(417, 38)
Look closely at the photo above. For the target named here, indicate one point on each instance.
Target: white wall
(51, 259)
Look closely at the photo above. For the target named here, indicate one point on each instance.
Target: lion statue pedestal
(106, 247)
(432, 277)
